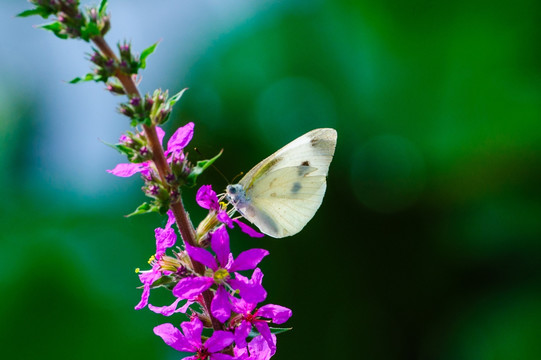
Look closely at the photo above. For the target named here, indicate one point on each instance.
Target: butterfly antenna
(236, 176)
(214, 167)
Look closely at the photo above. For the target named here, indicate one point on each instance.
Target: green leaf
(198, 169)
(102, 8)
(37, 11)
(87, 77)
(172, 101)
(55, 27)
(142, 59)
(89, 31)
(166, 281)
(123, 149)
(253, 333)
(143, 209)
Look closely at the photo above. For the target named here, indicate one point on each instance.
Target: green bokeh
(427, 245)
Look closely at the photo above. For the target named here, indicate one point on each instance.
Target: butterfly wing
(285, 190)
(315, 149)
(283, 201)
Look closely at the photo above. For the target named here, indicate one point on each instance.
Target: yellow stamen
(220, 275)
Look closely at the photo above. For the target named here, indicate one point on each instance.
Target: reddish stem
(181, 216)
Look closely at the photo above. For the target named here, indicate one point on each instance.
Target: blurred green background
(427, 245)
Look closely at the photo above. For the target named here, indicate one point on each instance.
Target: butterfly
(283, 192)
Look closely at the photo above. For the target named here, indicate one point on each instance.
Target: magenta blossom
(250, 290)
(178, 141)
(165, 238)
(247, 317)
(258, 349)
(207, 199)
(189, 340)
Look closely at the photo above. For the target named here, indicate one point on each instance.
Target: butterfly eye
(233, 190)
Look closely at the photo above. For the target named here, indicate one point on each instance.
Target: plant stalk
(184, 224)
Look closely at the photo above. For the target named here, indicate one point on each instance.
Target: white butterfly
(283, 192)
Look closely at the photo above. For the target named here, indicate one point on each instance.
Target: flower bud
(106, 25)
(116, 89)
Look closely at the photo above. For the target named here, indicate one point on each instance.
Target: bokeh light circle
(293, 106)
(387, 173)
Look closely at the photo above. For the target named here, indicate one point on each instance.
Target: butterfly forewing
(315, 149)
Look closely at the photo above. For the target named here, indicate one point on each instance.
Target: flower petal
(170, 219)
(241, 307)
(203, 256)
(147, 278)
(241, 333)
(180, 138)
(259, 348)
(171, 309)
(173, 337)
(248, 260)
(219, 340)
(193, 330)
(126, 170)
(160, 133)
(248, 230)
(250, 290)
(206, 198)
(220, 245)
(144, 298)
(190, 287)
(165, 238)
(278, 314)
(264, 330)
(220, 306)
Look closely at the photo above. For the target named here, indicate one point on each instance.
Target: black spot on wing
(305, 163)
(296, 187)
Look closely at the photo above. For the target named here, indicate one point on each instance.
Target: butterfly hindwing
(286, 199)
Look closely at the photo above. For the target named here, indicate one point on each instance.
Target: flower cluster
(70, 21)
(243, 327)
(135, 146)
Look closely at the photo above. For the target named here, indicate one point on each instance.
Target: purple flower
(127, 170)
(189, 340)
(258, 349)
(207, 199)
(165, 238)
(247, 317)
(171, 309)
(249, 289)
(175, 145)
(178, 141)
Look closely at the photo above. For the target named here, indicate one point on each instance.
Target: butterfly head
(235, 194)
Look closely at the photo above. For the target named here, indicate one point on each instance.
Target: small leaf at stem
(166, 281)
(55, 27)
(142, 59)
(37, 11)
(89, 31)
(87, 77)
(198, 169)
(102, 8)
(172, 101)
(143, 209)
(274, 330)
